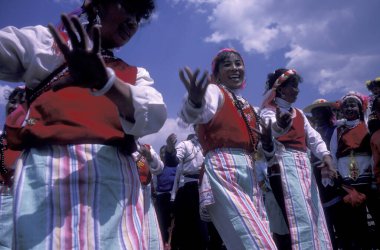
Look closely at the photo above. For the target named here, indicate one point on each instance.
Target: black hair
(220, 58)
(142, 8)
(373, 83)
(272, 77)
(190, 136)
(17, 92)
(375, 103)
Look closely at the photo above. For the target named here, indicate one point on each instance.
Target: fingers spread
(189, 73)
(203, 82)
(59, 40)
(70, 31)
(83, 43)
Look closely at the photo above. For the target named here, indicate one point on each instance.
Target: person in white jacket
(185, 195)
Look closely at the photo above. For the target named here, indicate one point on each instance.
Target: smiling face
(118, 25)
(231, 71)
(289, 90)
(351, 109)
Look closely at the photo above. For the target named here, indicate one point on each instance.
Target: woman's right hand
(86, 66)
(195, 88)
(283, 119)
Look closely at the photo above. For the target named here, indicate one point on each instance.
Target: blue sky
(333, 44)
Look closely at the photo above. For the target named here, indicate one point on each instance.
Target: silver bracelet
(108, 85)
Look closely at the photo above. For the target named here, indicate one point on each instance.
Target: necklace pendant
(353, 167)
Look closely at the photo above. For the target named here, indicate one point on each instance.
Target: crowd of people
(268, 177)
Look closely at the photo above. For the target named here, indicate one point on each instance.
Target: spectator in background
(375, 143)
(149, 163)
(373, 87)
(163, 185)
(375, 148)
(350, 147)
(324, 123)
(190, 232)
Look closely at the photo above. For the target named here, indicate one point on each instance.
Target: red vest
(73, 116)
(296, 137)
(357, 139)
(227, 129)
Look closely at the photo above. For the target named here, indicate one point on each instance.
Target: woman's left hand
(86, 66)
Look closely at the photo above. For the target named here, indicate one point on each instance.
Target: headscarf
(270, 94)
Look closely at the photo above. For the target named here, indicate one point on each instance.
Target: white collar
(282, 104)
(352, 123)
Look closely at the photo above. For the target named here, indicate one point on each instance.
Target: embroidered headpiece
(362, 99)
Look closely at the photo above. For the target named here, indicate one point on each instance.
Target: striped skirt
(81, 197)
(234, 200)
(307, 224)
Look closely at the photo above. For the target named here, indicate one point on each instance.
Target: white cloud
(171, 126)
(333, 43)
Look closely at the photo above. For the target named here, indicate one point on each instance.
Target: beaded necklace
(239, 105)
(3, 146)
(57, 74)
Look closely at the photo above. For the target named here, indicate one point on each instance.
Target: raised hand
(170, 142)
(86, 66)
(283, 118)
(196, 88)
(145, 151)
